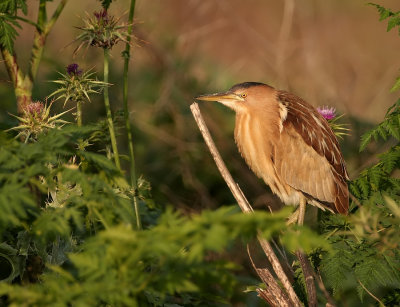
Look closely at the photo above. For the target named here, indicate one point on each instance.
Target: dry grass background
(329, 52)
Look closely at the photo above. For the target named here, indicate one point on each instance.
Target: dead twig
(273, 294)
(371, 294)
(244, 205)
(309, 278)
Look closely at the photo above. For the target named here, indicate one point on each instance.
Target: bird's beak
(224, 98)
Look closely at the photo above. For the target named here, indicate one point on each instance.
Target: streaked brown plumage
(288, 144)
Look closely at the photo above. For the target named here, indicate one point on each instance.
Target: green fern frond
(373, 271)
(394, 17)
(11, 6)
(8, 33)
(336, 268)
(390, 159)
(389, 127)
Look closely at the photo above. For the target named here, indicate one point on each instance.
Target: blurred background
(331, 52)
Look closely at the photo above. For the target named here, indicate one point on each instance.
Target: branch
(22, 84)
(309, 278)
(10, 61)
(273, 294)
(370, 293)
(30, 22)
(55, 16)
(243, 204)
(41, 34)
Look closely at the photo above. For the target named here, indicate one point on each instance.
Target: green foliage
(8, 33)
(68, 228)
(394, 21)
(360, 266)
(367, 244)
(389, 127)
(71, 209)
(8, 23)
(338, 128)
(12, 6)
(385, 13)
(123, 266)
(378, 177)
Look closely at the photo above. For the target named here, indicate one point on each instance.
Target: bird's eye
(244, 95)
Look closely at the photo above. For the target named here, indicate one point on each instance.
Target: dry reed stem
(243, 204)
(273, 294)
(309, 278)
(305, 263)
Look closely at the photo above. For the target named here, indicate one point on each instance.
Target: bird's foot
(293, 217)
(298, 215)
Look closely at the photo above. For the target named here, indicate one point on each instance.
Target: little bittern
(287, 143)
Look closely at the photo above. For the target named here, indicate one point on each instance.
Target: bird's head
(243, 96)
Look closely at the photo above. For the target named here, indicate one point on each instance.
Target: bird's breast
(255, 138)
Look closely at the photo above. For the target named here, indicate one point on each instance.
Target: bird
(288, 144)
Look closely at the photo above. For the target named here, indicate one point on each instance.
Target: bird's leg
(298, 215)
(302, 211)
(304, 262)
(293, 218)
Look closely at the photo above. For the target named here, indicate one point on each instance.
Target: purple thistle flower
(327, 113)
(34, 109)
(73, 70)
(102, 16)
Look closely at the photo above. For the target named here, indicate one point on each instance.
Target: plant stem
(108, 110)
(79, 113)
(126, 55)
(22, 83)
(125, 94)
(55, 16)
(30, 22)
(42, 31)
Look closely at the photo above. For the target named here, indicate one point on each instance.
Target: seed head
(102, 30)
(77, 85)
(36, 119)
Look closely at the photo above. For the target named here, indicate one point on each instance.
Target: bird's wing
(308, 157)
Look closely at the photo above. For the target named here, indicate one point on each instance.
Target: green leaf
(396, 85)
(8, 33)
(383, 12)
(365, 140)
(11, 6)
(337, 268)
(393, 22)
(374, 272)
